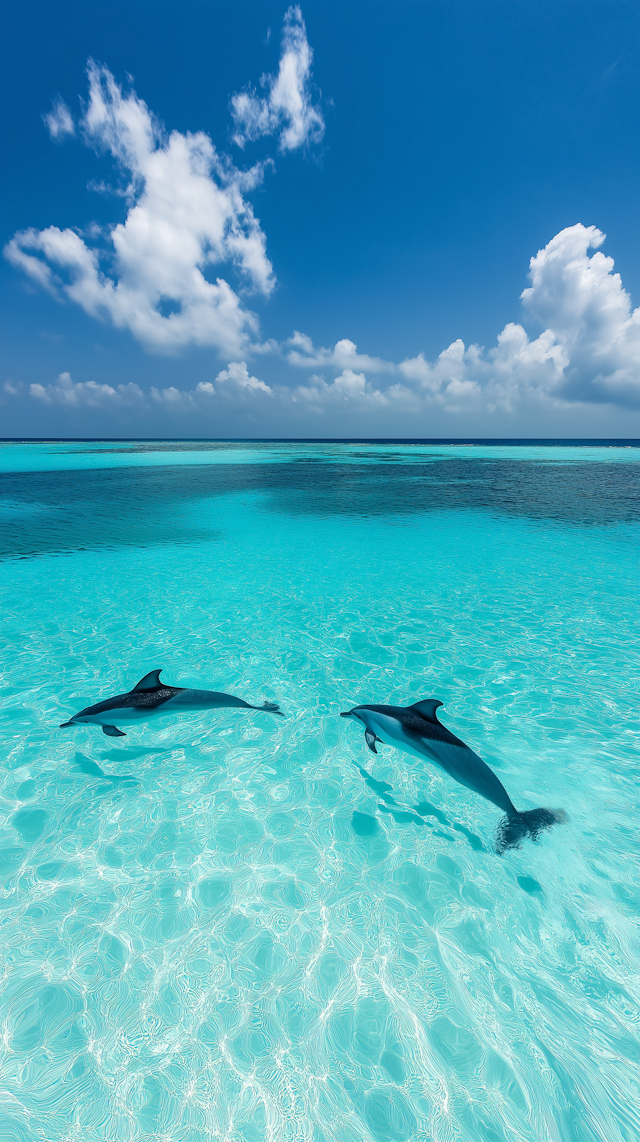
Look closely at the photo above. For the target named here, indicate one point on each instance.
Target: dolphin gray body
(416, 730)
(152, 699)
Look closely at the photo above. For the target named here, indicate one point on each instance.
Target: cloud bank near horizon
(587, 354)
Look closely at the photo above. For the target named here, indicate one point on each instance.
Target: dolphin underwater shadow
(415, 814)
(416, 730)
(90, 769)
(152, 699)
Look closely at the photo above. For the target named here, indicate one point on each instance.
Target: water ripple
(236, 927)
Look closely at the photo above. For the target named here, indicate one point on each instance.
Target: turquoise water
(235, 927)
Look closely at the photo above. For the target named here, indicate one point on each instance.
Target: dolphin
(416, 730)
(152, 699)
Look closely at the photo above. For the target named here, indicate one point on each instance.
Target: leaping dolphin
(151, 699)
(416, 730)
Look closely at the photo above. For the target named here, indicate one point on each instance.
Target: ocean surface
(235, 927)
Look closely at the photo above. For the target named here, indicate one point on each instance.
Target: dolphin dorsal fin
(427, 709)
(150, 681)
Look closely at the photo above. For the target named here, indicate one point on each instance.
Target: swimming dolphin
(416, 729)
(151, 699)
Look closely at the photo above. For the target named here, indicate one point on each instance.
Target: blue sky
(247, 220)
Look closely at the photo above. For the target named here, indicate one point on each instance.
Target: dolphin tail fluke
(271, 708)
(513, 829)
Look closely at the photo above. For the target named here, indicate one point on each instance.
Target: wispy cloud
(187, 213)
(59, 122)
(287, 109)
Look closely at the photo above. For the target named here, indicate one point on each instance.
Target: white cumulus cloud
(287, 109)
(187, 213)
(589, 351)
(87, 394)
(588, 313)
(234, 380)
(349, 393)
(344, 355)
(238, 373)
(59, 122)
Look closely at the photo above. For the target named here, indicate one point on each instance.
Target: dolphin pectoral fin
(150, 681)
(113, 732)
(371, 740)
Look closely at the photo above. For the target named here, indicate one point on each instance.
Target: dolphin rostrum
(416, 730)
(151, 699)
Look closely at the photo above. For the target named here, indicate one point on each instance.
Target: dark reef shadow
(59, 512)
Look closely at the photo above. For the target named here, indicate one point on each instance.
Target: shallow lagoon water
(231, 926)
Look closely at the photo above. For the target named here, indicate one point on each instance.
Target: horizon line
(551, 441)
